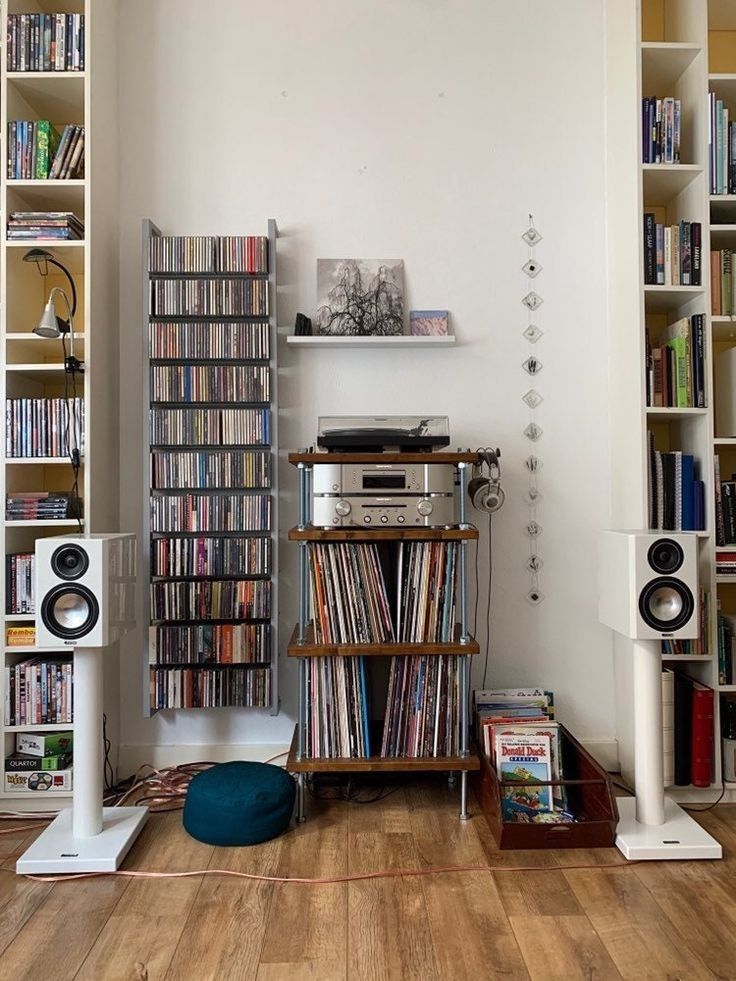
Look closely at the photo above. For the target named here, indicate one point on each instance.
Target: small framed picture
(428, 323)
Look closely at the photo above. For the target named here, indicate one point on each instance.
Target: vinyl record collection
(40, 427)
(209, 512)
(210, 341)
(209, 298)
(208, 254)
(208, 533)
(210, 469)
(226, 643)
(30, 225)
(195, 557)
(426, 600)
(210, 687)
(45, 42)
(338, 717)
(39, 691)
(211, 600)
(20, 583)
(36, 152)
(210, 383)
(423, 707)
(210, 427)
(349, 597)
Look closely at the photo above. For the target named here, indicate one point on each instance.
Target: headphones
(486, 493)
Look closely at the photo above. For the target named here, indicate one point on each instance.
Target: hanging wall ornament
(533, 399)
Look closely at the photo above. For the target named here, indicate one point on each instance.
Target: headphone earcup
(485, 495)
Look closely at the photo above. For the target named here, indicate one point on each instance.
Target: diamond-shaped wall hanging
(535, 596)
(533, 463)
(532, 300)
(534, 563)
(532, 365)
(533, 333)
(533, 529)
(532, 268)
(532, 237)
(533, 496)
(533, 432)
(532, 398)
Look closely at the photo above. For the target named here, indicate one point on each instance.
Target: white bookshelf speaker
(648, 584)
(85, 589)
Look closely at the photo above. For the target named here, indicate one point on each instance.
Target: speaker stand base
(56, 850)
(680, 837)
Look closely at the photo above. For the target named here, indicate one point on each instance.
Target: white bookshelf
(32, 366)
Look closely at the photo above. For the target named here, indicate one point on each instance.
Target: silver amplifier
(353, 510)
(383, 478)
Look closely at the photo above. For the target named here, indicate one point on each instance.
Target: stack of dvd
(62, 225)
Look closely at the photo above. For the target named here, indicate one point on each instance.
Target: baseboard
(131, 758)
(604, 751)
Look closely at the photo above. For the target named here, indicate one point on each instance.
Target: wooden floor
(665, 921)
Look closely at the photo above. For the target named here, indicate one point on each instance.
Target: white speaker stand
(88, 837)
(653, 826)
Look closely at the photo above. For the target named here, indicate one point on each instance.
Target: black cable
(109, 773)
(708, 807)
(488, 605)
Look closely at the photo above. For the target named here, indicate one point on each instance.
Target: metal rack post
(303, 620)
(464, 636)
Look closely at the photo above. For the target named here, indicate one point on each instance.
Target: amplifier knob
(342, 508)
(425, 507)
(384, 519)
(367, 519)
(400, 519)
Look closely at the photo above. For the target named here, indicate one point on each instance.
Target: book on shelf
(43, 427)
(725, 493)
(36, 151)
(672, 254)
(661, 124)
(227, 341)
(208, 254)
(676, 647)
(38, 691)
(722, 283)
(422, 716)
(210, 469)
(20, 586)
(675, 364)
(45, 42)
(209, 687)
(668, 725)
(676, 494)
(29, 225)
(41, 506)
(721, 147)
(693, 732)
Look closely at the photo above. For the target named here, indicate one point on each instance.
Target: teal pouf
(239, 803)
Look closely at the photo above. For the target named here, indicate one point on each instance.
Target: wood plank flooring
(668, 921)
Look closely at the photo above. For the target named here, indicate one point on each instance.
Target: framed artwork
(428, 323)
(360, 297)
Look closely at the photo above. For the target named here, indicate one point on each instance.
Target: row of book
(677, 647)
(423, 701)
(36, 152)
(211, 469)
(337, 723)
(426, 591)
(20, 583)
(41, 506)
(661, 123)
(208, 253)
(41, 427)
(210, 427)
(209, 298)
(675, 364)
(210, 687)
(45, 42)
(210, 383)
(688, 707)
(194, 557)
(348, 594)
(230, 599)
(722, 283)
(726, 649)
(672, 254)
(226, 643)
(39, 691)
(59, 225)
(210, 512)
(210, 342)
(675, 492)
(721, 147)
(725, 509)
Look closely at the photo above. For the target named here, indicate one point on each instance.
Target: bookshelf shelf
(662, 182)
(60, 523)
(669, 414)
(38, 461)
(369, 342)
(666, 299)
(43, 727)
(311, 649)
(663, 63)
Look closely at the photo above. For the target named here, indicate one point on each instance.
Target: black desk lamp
(50, 324)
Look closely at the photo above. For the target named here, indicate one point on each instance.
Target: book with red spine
(701, 765)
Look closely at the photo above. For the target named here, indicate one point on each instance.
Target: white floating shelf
(405, 340)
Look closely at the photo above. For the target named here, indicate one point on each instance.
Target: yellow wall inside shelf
(722, 51)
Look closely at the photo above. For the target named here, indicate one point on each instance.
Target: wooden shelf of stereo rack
(312, 649)
(433, 456)
(375, 764)
(311, 534)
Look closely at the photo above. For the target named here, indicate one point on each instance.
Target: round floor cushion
(239, 803)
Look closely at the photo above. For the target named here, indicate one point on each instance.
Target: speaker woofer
(665, 556)
(666, 604)
(69, 562)
(70, 612)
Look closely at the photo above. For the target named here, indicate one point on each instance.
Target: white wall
(418, 129)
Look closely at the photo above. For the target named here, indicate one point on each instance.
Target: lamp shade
(48, 325)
